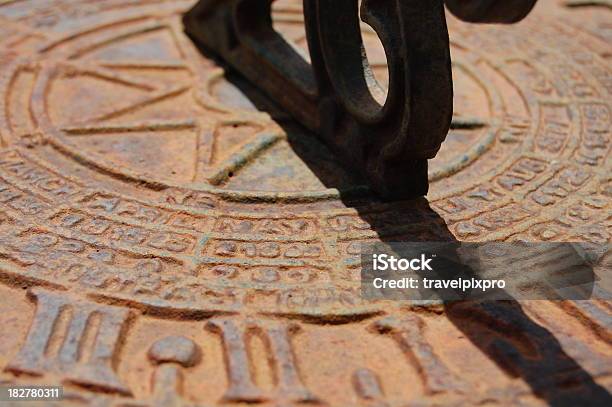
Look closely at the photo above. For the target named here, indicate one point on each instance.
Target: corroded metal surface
(168, 237)
(386, 138)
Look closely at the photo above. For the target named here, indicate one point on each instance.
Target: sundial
(171, 235)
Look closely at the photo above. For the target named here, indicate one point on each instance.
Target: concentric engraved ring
(67, 134)
(168, 123)
(162, 223)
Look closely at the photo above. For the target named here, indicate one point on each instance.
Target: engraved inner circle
(141, 103)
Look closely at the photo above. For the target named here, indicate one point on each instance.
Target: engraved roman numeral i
(408, 334)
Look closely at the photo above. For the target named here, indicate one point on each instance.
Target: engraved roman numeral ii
(277, 339)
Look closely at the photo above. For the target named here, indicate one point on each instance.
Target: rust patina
(385, 136)
(170, 236)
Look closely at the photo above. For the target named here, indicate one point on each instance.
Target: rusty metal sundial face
(167, 235)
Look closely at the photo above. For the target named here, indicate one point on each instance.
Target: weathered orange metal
(168, 236)
(386, 137)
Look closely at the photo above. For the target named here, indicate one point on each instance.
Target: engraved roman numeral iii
(75, 339)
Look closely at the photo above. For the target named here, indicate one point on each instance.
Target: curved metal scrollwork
(335, 95)
(491, 11)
